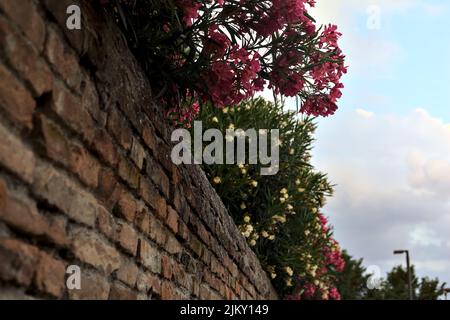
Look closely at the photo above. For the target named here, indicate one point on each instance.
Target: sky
(387, 148)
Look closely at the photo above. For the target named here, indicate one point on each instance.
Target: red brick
(137, 154)
(143, 221)
(183, 231)
(25, 59)
(172, 219)
(128, 273)
(157, 175)
(127, 238)
(24, 13)
(68, 107)
(20, 214)
(129, 172)
(57, 146)
(104, 145)
(127, 206)
(167, 291)
(173, 246)
(148, 283)
(158, 232)
(15, 156)
(15, 99)
(19, 261)
(120, 292)
(167, 267)
(152, 197)
(90, 101)
(56, 231)
(109, 189)
(149, 136)
(63, 59)
(84, 165)
(89, 247)
(61, 192)
(119, 129)
(149, 256)
(105, 222)
(50, 275)
(93, 287)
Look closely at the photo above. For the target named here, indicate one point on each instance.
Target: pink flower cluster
(229, 50)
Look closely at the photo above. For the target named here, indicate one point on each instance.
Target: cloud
(364, 113)
(393, 186)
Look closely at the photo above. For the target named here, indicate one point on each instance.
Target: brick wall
(86, 178)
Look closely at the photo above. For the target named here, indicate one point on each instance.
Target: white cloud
(364, 113)
(393, 186)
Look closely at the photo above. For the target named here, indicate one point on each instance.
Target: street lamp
(408, 271)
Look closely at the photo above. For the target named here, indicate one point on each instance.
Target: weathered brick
(109, 189)
(63, 59)
(57, 145)
(105, 222)
(149, 256)
(148, 283)
(68, 107)
(25, 59)
(158, 232)
(167, 267)
(196, 246)
(157, 175)
(90, 101)
(137, 153)
(20, 213)
(120, 292)
(167, 291)
(127, 238)
(148, 134)
(172, 219)
(105, 147)
(129, 172)
(128, 273)
(15, 156)
(56, 230)
(50, 275)
(93, 287)
(172, 245)
(119, 129)
(91, 248)
(152, 197)
(84, 165)
(183, 231)
(24, 13)
(127, 206)
(205, 292)
(143, 221)
(19, 261)
(15, 99)
(60, 191)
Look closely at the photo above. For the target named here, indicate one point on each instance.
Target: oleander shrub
(280, 215)
(224, 51)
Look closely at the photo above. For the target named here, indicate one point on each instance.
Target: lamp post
(408, 271)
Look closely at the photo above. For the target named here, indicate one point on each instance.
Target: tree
(352, 282)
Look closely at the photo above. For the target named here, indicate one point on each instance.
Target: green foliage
(352, 284)
(278, 214)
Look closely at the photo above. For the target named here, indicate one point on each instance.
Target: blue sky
(388, 147)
